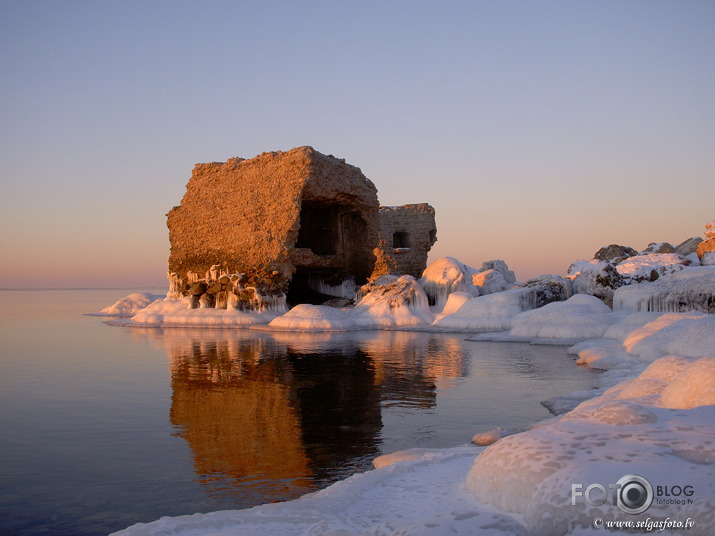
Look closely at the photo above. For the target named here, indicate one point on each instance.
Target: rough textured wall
(244, 216)
(407, 234)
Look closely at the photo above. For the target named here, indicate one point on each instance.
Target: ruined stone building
(297, 223)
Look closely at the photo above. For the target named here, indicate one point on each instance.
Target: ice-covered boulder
(692, 289)
(549, 288)
(594, 277)
(650, 267)
(402, 302)
(490, 281)
(444, 276)
(658, 426)
(614, 253)
(313, 317)
(500, 266)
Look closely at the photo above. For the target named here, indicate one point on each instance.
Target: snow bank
(639, 427)
(130, 305)
(390, 501)
(490, 312)
(175, 312)
(581, 316)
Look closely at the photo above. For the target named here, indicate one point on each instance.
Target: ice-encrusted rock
(500, 266)
(550, 288)
(614, 253)
(708, 259)
(594, 277)
(445, 276)
(490, 281)
(692, 289)
(658, 247)
(650, 267)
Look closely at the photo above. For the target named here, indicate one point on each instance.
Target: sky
(539, 130)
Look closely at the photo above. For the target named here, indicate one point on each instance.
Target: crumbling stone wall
(243, 217)
(407, 234)
(249, 231)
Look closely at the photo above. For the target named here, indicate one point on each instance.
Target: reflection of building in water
(270, 416)
(240, 418)
(269, 422)
(410, 366)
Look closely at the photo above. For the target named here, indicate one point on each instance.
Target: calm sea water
(102, 427)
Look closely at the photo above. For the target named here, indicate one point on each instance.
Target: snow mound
(532, 474)
(313, 317)
(491, 312)
(685, 334)
(131, 304)
(178, 312)
(692, 289)
(580, 317)
(445, 276)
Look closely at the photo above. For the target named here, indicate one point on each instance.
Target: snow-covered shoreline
(652, 415)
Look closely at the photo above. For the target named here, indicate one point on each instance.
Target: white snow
(581, 316)
(643, 267)
(397, 303)
(177, 312)
(491, 312)
(130, 305)
(710, 229)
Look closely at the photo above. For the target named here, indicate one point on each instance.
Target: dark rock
(614, 253)
(658, 247)
(688, 246)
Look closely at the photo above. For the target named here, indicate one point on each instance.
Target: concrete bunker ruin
(287, 228)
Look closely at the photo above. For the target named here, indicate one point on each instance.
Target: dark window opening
(400, 240)
(318, 228)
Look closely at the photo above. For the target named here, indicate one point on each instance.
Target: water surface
(102, 427)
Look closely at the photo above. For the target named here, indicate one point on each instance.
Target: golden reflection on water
(279, 414)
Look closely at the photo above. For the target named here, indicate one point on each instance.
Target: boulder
(614, 253)
(597, 278)
(706, 246)
(710, 229)
(658, 247)
(688, 246)
(549, 288)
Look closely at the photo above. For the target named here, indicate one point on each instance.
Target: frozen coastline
(653, 415)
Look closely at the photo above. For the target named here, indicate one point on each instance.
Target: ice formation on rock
(444, 276)
(597, 278)
(692, 289)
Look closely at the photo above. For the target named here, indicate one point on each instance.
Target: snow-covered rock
(650, 267)
(658, 247)
(594, 277)
(178, 312)
(490, 281)
(550, 288)
(710, 229)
